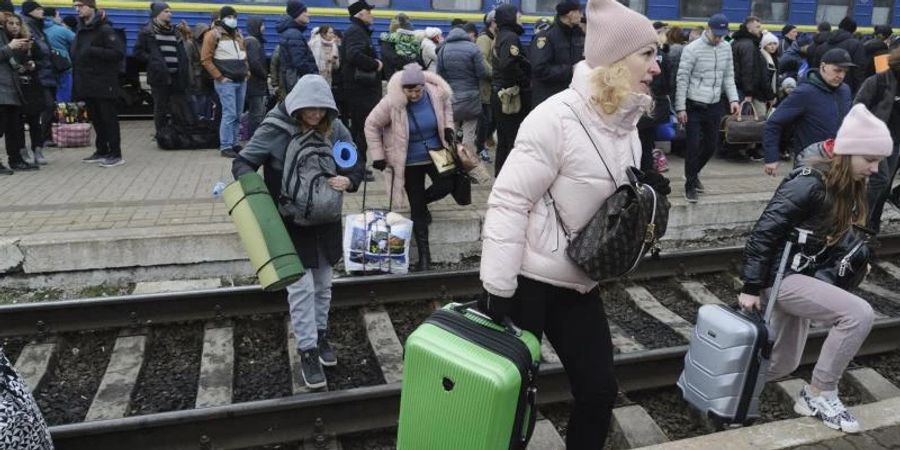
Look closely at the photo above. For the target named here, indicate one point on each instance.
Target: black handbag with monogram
(628, 225)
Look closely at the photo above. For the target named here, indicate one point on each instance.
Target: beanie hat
(614, 31)
(29, 6)
(767, 39)
(90, 3)
(862, 133)
(566, 6)
(357, 7)
(412, 75)
(156, 8)
(295, 8)
(7, 6)
(227, 11)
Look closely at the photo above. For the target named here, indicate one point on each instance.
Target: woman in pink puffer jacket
(524, 268)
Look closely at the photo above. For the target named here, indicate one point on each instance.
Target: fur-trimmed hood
(397, 98)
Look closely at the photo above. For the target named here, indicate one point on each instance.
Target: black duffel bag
(202, 134)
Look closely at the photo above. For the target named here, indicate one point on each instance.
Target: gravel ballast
(261, 367)
(171, 370)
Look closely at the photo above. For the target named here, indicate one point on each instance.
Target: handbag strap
(421, 133)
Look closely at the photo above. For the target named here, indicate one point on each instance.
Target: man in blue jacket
(60, 39)
(296, 58)
(814, 111)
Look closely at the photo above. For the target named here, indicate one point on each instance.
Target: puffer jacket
(387, 129)
(224, 54)
(705, 72)
(97, 55)
(10, 91)
(814, 111)
(845, 40)
(267, 148)
(522, 233)
(59, 37)
(800, 201)
(46, 73)
(789, 64)
(460, 63)
(296, 57)
(749, 67)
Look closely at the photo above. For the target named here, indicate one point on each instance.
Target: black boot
(421, 235)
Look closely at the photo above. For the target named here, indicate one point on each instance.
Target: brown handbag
(744, 128)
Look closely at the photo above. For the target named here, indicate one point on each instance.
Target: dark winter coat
(258, 83)
(814, 111)
(358, 53)
(843, 39)
(267, 149)
(749, 66)
(799, 201)
(460, 63)
(10, 91)
(97, 55)
(662, 90)
(879, 93)
(553, 54)
(510, 66)
(295, 56)
(146, 50)
(790, 62)
(873, 47)
(46, 73)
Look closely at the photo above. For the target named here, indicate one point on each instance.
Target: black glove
(659, 183)
(379, 164)
(450, 136)
(495, 306)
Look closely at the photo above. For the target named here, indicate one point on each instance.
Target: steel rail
(142, 310)
(366, 408)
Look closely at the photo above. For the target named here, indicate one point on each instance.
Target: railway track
(650, 316)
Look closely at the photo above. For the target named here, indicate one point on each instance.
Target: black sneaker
(699, 186)
(690, 193)
(95, 158)
(326, 353)
(23, 166)
(5, 171)
(229, 153)
(755, 155)
(237, 148)
(311, 369)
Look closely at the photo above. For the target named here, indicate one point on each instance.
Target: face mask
(230, 22)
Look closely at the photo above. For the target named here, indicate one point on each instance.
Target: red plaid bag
(72, 134)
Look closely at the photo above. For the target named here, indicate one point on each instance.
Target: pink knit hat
(614, 32)
(863, 134)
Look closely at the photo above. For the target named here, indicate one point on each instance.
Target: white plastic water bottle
(218, 188)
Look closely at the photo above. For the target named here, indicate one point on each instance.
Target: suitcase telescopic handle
(802, 236)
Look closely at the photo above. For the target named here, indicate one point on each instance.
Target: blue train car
(131, 15)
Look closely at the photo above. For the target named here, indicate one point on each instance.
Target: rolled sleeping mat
(262, 232)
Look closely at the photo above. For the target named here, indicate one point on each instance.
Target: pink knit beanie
(863, 134)
(614, 32)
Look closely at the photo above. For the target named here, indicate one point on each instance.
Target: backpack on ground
(306, 197)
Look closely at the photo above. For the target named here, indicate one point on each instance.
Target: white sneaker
(828, 407)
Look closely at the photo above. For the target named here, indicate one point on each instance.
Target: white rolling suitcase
(726, 364)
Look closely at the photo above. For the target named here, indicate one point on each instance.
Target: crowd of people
(571, 111)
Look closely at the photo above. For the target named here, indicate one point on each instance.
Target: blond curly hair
(611, 86)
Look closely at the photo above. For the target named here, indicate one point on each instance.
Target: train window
(539, 6)
(700, 8)
(376, 3)
(637, 5)
(881, 12)
(770, 11)
(832, 11)
(458, 5)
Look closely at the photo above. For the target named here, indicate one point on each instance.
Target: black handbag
(365, 77)
(60, 63)
(628, 225)
(462, 188)
(848, 263)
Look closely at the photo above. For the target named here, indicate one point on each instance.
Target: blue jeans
(64, 91)
(231, 95)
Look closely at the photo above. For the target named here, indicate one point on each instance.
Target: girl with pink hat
(574, 147)
(826, 196)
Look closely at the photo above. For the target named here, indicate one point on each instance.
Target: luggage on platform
(727, 361)
(262, 232)
(377, 241)
(202, 134)
(71, 135)
(468, 383)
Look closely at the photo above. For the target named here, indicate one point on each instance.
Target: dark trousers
(880, 187)
(360, 107)
(419, 197)
(507, 128)
(647, 135)
(39, 121)
(702, 131)
(577, 328)
(485, 126)
(13, 132)
(168, 102)
(105, 117)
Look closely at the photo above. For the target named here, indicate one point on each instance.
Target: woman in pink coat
(415, 116)
(576, 146)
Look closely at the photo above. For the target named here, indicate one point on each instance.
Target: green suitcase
(262, 232)
(468, 383)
